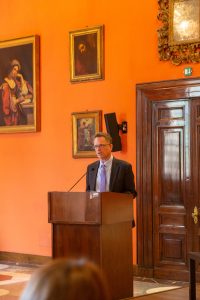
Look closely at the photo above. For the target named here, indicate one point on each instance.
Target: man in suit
(119, 176)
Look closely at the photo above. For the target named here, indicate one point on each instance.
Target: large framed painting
(86, 54)
(84, 127)
(19, 85)
(179, 33)
(184, 22)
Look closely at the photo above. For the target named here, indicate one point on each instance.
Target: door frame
(146, 93)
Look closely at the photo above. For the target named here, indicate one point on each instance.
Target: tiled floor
(13, 278)
(146, 286)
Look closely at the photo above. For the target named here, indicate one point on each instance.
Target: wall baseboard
(23, 259)
(142, 272)
(30, 259)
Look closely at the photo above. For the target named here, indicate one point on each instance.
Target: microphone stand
(76, 182)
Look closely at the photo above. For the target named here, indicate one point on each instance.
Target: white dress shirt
(108, 166)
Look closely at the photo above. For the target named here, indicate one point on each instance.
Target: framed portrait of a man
(19, 85)
(86, 54)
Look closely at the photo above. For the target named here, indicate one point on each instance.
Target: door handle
(195, 215)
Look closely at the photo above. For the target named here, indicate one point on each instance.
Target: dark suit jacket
(121, 177)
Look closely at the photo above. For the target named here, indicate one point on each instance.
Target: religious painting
(19, 85)
(84, 127)
(86, 54)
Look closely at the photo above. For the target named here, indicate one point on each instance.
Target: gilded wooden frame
(179, 35)
(19, 85)
(86, 54)
(84, 127)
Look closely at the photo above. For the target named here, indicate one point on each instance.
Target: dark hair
(12, 64)
(65, 279)
(107, 136)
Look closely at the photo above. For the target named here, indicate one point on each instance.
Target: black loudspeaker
(112, 128)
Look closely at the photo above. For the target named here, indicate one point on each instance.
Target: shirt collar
(107, 162)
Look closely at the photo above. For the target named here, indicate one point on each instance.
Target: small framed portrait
(19, 85)
(86, 54)
(84, 127)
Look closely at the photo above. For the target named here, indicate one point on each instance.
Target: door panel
(194, 237)
(169, 133)
(168, 176)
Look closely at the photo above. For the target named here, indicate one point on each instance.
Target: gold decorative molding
(186, 49)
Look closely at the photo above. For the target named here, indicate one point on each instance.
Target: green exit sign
(188, 71)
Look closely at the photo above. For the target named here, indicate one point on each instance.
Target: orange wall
(34, 163)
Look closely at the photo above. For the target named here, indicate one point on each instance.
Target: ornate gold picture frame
(84, 127)
(86, 54)
(19, 85)
(179, 35)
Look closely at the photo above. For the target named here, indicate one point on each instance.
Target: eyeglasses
(100, 146)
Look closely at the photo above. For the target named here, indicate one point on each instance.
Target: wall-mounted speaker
(112, 128)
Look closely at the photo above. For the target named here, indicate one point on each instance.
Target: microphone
(77, 182)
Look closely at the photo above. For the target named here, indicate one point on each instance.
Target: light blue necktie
(102, 186)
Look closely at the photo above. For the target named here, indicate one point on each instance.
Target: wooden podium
(97, 226)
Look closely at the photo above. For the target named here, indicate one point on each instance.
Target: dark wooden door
(194, 236)
(170, 156)
(168, 140)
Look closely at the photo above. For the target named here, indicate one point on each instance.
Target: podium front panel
(74, 208)
(77, 241)
(97, 226)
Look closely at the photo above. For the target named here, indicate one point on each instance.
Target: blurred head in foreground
(67, 279)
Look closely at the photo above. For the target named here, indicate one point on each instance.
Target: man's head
(103, 145)
(82, 48)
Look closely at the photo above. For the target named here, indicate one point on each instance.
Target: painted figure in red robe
(14, 91)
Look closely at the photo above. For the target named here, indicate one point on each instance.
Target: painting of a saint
(84, 127)
(18, 88)
(86, 133)
(85, 47)
(86, 54)
(16, 93)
